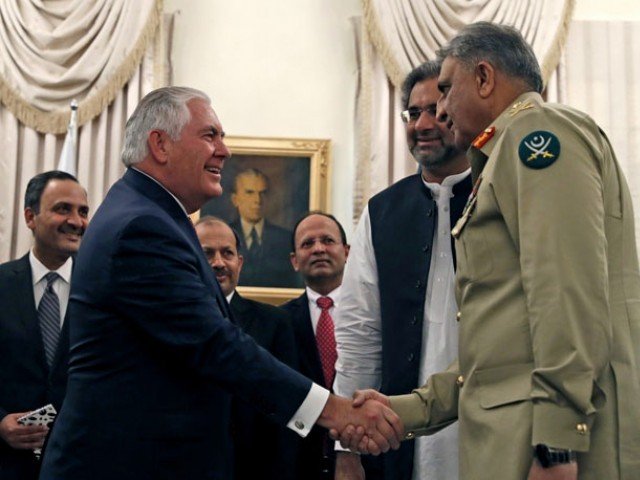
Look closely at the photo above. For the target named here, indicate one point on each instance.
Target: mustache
(220, 270)
(321, 259)
(428, 136)
(66, 228)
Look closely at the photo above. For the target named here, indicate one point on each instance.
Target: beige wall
(283, 68)
(287, 68)
(607, 10)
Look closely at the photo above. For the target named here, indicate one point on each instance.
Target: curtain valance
(405, 33)
(53, 51)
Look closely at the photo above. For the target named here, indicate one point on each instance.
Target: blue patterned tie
(49, 317)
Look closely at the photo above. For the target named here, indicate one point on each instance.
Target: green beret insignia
(539, 149)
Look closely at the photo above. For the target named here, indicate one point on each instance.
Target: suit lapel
(241, 311)
(26, 306)
(308, 347)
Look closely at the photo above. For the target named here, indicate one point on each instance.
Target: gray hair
(426, 71)
(502, 46)
(162, 109)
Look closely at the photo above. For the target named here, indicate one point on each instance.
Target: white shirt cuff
(308, 413)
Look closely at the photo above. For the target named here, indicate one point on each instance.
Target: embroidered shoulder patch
(539, 149)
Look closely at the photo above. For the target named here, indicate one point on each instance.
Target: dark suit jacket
(262, 448)
(316, 457)
(153, 360)
(270, 266)
(26, 382)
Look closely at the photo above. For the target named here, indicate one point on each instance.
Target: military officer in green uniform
(547, 381)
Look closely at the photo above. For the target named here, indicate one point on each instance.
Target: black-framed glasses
(413, 114)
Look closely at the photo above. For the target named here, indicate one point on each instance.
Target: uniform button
(460, 380)
(410, 357)
(414, 320)
(410, 435)
(299, 425)
(426, 248)
(429, 212)
(458, 316)
(418, 284)
(582, 428)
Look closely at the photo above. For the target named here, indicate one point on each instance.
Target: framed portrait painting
(268, 184)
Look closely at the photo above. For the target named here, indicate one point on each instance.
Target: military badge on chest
(468, 209)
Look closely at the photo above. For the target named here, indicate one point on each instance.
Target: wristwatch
(549, 457)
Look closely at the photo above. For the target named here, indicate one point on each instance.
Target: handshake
(365, 424)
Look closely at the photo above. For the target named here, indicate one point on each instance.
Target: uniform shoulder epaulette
(484, 137)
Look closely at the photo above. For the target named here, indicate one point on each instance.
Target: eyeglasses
(413, 114)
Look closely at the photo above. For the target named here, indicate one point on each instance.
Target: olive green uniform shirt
(549, 295)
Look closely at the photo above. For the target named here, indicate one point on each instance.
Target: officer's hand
(567, 471)
(19, 436)
(348, 466)
(361, 396)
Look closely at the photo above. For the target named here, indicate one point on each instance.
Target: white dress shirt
(359, 329)
(307, 414)
(61, 285)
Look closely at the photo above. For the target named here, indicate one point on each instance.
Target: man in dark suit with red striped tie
(319, 255)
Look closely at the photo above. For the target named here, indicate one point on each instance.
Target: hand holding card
(43, 416)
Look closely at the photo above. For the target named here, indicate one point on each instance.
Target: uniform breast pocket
(474, 253)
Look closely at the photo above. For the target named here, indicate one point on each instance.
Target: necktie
(255, 243)
(326, 341)
(49, 317)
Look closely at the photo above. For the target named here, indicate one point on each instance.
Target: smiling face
(460, 105)
(219, 245)
(60, 222)
(195, 160)
(319, 255)
(430, 141)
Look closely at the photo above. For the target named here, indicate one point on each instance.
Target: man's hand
(348, 466)
(19, 436)
(375, 427)
(361, 396)
(353, 438)
(567, 471)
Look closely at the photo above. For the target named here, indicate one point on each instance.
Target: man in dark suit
(264, 245)
(319, 254)
(154, 360)
(35, 344)
(262, 449)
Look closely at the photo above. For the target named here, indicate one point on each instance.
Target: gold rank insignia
(518, 107)
(484, 137)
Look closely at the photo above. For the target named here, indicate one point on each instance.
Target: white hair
(162, 109)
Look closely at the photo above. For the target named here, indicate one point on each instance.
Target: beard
(434, 157)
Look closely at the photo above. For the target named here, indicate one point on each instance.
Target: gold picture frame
(298, 172)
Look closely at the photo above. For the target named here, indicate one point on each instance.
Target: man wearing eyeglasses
(397, 321)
